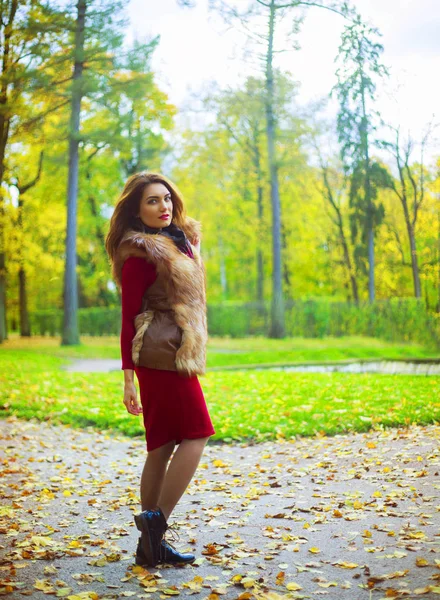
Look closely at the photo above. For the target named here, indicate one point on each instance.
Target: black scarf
(172, 231)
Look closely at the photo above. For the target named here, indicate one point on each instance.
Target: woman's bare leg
(153, 475)
(181, 469)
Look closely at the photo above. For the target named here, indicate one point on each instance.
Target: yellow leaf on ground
(292, 586)
(345, 565)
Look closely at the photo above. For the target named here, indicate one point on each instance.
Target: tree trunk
(7, 32)
(286, 275)
(412, 241)
(70, 324)
(371, 288)
(367, 192)
(260, 264)
(223, 279)
(25, 329)
(3, 330)
(340, 224)
(414, 262)
(277, 327)
(409, 222)
(437, 307)
(350, 268)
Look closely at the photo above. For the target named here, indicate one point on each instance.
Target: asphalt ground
(346, 517)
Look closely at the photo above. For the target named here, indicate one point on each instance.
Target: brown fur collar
(186, 283)
(155, 248)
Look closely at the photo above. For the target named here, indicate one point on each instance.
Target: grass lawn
(230, 351)
(244, 405)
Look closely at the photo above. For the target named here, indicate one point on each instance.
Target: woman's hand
(130, 399)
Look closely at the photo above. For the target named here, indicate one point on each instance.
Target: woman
(154, 249)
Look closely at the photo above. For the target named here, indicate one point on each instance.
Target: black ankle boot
(167, 552)
(170, 555)
(152, 524)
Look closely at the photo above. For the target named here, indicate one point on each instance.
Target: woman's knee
(162, 452)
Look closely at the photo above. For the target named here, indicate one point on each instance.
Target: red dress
(173, 406)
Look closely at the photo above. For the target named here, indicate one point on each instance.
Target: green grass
(231, 351)
(244, 405)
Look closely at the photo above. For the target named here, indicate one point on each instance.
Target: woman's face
(155, 204)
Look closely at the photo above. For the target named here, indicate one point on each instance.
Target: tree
(70, 323)
(333, 188)
(363, 213)
(27, 41)
(359, 68)
(98, 34)
(410, 190)
(132, 113)
(117, 86)
(272, 12)
(22, 188)
(241, 113)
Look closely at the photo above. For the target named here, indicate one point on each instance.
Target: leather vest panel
(160, 343)
(163, 336)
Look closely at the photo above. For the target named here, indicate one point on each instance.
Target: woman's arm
(137, 276)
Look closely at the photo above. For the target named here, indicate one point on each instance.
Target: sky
(196, 47)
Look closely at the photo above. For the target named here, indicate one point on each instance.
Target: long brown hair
(128, 203)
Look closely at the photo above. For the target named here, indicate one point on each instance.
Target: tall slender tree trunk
(409, 222)
(286, 276)
(25, 329)
(350, 268)
(3, 330)
(70, 324)
(438, 256)
(260, 264)
(347, 259)
(7, 32)
(414, 261)
(340, 224)
(277, 327)
(223, 278)
(367, 191)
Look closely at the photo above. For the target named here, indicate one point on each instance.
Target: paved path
(93, 365)
(401, 367)
(345, 517)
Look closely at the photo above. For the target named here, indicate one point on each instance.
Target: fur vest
(171, 328)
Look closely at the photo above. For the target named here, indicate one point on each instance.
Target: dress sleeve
(137, 276)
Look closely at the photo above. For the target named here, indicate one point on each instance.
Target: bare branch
(23, 188)
(96, 150)
(399, 244)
